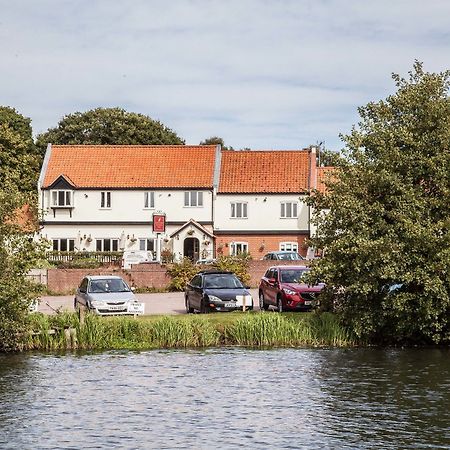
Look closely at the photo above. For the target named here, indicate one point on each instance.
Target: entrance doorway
(192, 249)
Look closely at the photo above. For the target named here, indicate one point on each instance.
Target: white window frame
(288, 210)
(149, 200)
(113, 243)
(70, 243)
(105, 200)
(145, 247)
(239, 210)
(67, 198)
(238, 247)
(193, 199)
(289, 246)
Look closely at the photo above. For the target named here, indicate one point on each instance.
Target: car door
(271, 287)
(195, 292)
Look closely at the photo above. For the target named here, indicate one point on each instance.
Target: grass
(253, 329)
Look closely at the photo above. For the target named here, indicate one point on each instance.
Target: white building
(103, 198)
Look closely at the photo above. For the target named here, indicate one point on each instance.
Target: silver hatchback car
(106, 295)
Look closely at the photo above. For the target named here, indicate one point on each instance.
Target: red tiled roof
(323, 174)
(132, 166)
(271, 171)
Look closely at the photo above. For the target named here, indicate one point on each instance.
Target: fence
(109, 258)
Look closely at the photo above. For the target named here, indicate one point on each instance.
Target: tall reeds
(253, 330)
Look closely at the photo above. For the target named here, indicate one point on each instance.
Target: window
(289, 210)
(238, 247)
(62, 199)
(238, 210)
(149, 200)
(193, 198)
(105, 201)
(289, 246)
(63, 245)
(148, 245)
(107, 245)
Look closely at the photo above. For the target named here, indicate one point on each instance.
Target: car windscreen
(289, 256)
(293, 275)
(108, 285)
(217, 281)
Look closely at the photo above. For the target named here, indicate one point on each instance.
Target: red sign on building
(159, 223)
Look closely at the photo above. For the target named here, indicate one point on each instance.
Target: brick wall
(259, 245)
(64, 281)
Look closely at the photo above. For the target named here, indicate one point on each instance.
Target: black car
(215, 290)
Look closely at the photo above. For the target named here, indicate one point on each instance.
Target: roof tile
(133, 166)
(264, 171)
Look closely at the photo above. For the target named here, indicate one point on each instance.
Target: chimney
(312, 181)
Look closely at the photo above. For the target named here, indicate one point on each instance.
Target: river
(227, 399)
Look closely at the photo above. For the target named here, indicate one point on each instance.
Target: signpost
(159, 226)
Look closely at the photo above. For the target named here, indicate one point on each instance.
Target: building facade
(105, 198)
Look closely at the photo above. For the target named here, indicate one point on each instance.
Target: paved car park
(159, 303)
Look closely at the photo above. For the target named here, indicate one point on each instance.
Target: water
(227, 399)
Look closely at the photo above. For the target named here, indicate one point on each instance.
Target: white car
(107, 295)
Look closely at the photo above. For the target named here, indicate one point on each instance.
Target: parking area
(160, 303)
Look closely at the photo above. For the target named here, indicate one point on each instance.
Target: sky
(260, 74)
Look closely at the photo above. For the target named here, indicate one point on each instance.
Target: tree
(389, 216)
(18, 254)
(18, 155)
(216, 140)
(108, 126)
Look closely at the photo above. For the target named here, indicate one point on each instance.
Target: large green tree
(108, 126)
(18, 254)
(18, 155)
(389, 216)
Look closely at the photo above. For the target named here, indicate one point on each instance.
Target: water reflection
(227, 398)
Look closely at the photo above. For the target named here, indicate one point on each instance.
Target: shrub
(237, 264)
(181, 273)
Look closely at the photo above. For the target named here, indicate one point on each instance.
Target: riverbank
(251, 329)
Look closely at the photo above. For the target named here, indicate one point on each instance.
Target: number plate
(115, 307)
(230, 305)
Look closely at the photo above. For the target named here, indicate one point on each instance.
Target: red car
(282, 286)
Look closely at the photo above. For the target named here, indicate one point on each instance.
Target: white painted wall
(264, 213)
(127, 206)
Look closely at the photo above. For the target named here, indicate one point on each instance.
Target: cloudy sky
(260, 74)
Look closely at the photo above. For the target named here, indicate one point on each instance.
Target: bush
(80, 263)
(181, 274)
(236, 264)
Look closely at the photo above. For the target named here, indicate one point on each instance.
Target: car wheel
(189, 310)
(263, 306)
(279, 305)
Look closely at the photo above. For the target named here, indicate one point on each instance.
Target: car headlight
(213, 298)
(289, 291)
(97, 303)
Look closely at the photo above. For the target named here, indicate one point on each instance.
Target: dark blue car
(214, 290)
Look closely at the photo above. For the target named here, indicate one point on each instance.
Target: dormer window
(61, 199)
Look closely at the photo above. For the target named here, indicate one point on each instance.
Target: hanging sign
(159, 223)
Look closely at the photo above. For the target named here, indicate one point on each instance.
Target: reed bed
(64, 331)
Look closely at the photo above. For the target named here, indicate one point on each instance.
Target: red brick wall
(259, 245)
(64, 281)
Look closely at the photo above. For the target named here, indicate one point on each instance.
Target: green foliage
(18, 254)
(108, 126)
(181, 274)
(187, 331)
(237, 264)
(216, 140)
(80, 263)
(389, 216)
(19, 159)
(280, 330)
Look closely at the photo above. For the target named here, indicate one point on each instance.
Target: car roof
(210, 272)
(289, 267)
(102, 277)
